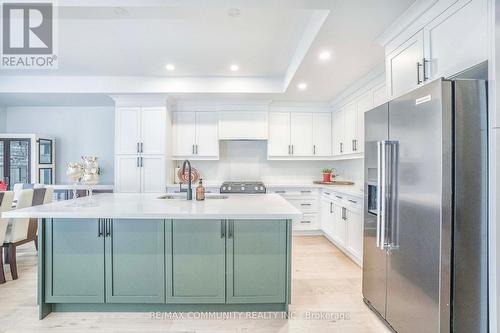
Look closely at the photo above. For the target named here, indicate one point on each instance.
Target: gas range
(243, 187)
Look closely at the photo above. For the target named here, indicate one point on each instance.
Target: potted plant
(327, 175)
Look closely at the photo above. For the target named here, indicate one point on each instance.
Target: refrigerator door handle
(394, 202)
(379, 192)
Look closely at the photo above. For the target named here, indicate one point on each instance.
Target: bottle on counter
(200, 191)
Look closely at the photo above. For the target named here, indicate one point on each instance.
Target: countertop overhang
(149, 206)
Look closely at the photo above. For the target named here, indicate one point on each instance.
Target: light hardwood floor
(325, 282)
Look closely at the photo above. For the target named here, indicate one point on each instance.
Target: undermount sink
(183, 197)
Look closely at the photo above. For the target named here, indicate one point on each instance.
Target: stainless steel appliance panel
(420, 125)
(374, 259)
(470, 269)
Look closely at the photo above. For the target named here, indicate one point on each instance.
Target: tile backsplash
(247, 160)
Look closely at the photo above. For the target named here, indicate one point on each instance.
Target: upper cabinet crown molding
(141, 100)
(410, 18)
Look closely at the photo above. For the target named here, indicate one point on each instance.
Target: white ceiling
(275, 43)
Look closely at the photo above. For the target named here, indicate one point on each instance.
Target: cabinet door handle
(424, 68)
(142, 147)
(193, 149)
(222, 229)
(292, 149)
(138, 147)
(99, 228)
(138, 162)
(196, 146)
(341, 147)
(108, 227)
(418, 72)
(314, 149)
(231, 229)
(331, 207)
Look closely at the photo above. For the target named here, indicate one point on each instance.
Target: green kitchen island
(160, 253)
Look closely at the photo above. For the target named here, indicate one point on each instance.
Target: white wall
(78, 131)
(247, 160)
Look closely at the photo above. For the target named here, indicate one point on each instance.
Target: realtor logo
(28, 36)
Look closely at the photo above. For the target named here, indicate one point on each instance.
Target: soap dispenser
(200, 191)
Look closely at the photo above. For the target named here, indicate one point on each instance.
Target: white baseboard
(356, 260)
(307, 233)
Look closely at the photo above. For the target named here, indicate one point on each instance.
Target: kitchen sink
(183, 197)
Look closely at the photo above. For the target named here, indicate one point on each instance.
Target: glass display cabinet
(27, 158)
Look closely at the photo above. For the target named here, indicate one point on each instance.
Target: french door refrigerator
(425, 221)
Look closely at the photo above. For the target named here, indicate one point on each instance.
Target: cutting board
(335, 182)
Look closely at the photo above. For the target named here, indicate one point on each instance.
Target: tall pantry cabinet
(140, 148)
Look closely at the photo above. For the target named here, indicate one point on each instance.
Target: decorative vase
(90, 172)
(74, 172)
(327, 177)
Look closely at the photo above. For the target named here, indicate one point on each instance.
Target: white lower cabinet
(140, 174)
(342, 223)
(354, 230)
(307, 201)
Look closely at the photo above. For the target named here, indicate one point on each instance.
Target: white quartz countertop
(149, 206)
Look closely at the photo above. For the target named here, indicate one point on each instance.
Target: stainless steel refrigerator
(425, 221)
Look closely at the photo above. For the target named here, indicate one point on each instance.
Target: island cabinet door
(74, 271)
(135, 257)
(195, 259)
(256, 261)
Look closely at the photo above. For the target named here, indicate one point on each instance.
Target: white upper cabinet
(195, 135)
(364, 103)
(301, 134)
(153, 122)
(184, 128)
(446, 39)
(351, 126)
(457, 38)
(207, 141)
(322, 134)
(127, 130)
(338, 132)
(404, 66)
(140, 130)
(279, 134)
(243, 125)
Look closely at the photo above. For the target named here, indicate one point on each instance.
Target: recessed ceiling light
(302, 86)
(325, 55)
(234, 68)
(234, 12)
(170, 67)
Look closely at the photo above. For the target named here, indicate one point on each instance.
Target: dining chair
(17, 231)
(6, 199)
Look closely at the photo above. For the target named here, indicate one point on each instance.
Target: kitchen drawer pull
(222, 229)
(305, 191)
(305, 221)
(280, 192)
(339, 197)
(354, 202)
(305, 204)
(327, 193)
